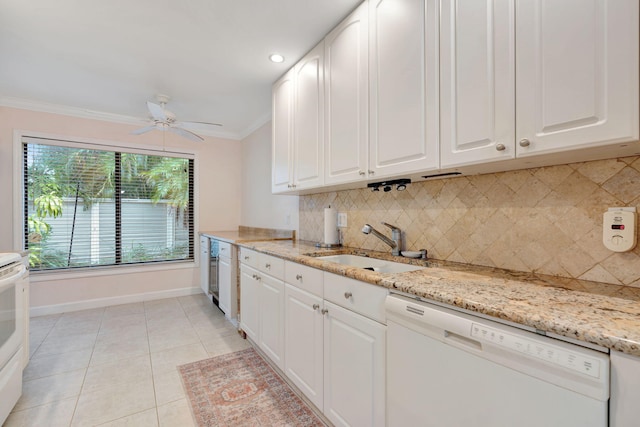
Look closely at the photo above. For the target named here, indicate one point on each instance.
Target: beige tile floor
(116, 366)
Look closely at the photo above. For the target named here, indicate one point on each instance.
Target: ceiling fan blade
(199, 123)
(143, 130)
(185, 133)
(157, 111)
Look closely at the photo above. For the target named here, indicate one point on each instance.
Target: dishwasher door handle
(461, 341)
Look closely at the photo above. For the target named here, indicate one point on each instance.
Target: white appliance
(446, 368)
(12, 270)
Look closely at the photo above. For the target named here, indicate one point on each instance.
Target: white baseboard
(105, 302)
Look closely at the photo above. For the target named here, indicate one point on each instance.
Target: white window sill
(48, 275)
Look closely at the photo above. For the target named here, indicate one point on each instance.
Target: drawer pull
(316, 306)
(267, 265)
(348, 295)
(246, 258)
(298, 277)
(324, 311)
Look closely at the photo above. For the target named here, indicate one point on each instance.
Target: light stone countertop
(249, 234)
(602, 314)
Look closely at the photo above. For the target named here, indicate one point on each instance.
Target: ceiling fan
(165, 120)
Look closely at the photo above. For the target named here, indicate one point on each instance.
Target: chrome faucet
(396, 236)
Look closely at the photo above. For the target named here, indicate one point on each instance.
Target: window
(86, 205)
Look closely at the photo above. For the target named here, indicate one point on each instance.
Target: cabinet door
(308, 126)
(250, 302)
(272, 318)
(577, 74)
(477, 78)
(403, 72)
(282, 134)
(303, 342)
(224, 285)
(354, 368)
(346, 89)
(204, 265)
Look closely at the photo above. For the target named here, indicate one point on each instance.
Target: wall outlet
(342, 219)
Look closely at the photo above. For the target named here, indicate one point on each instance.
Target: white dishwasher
(446, 368)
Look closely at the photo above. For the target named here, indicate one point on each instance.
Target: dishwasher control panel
(547, 352)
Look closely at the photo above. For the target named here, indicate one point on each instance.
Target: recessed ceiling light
(276, 57)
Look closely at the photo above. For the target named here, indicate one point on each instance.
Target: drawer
(224, 249)
(303, 277)
(361, 297)
(271, 265)
(249, 257)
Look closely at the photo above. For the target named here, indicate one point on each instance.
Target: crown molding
(83, 113)
(255, 125)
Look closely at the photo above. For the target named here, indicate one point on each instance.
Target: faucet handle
(392, 227)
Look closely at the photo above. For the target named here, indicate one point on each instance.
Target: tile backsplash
(546, 220)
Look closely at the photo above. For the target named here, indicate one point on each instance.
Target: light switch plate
(619, 229)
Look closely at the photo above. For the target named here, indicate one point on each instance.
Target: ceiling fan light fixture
(276, 57)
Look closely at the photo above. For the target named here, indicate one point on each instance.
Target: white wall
(260, 208)
(218, 176)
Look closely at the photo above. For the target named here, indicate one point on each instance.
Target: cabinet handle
(524, 142)
(500, 147)
(298, 277)
(316, 306)
(361, 173)
(371, 172)
(324, 311)
(348, 295)
(254, 276)
(267, 265)
(246, 258)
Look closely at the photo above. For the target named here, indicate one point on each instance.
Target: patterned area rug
(241, 389)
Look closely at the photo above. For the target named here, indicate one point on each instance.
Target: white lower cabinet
(262, 303)
(304, 342)
(271, 339)
(325, 332)
(354, 368)
(249, 302)
(225, 286)
(204, 265)
(333, 354)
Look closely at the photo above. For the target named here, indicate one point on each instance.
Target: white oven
(12, 270)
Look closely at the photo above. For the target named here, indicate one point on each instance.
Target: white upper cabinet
(308, 141)
(403, 74)
(577, 74)
(477, 72)
(346, 88)
(282, 134)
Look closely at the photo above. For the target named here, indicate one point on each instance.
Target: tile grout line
(75, 408)
(153, 381)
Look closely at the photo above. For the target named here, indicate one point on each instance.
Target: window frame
(19, 137)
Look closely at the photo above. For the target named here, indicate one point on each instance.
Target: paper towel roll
(330, 226)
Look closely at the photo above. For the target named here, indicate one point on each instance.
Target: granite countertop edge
(602, 314)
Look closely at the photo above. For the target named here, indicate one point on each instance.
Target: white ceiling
(110, 56)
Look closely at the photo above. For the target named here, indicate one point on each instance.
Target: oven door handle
(9, 281)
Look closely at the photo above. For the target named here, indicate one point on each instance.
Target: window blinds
(86, 205)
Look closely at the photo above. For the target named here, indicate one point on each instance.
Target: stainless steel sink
(374, 264)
